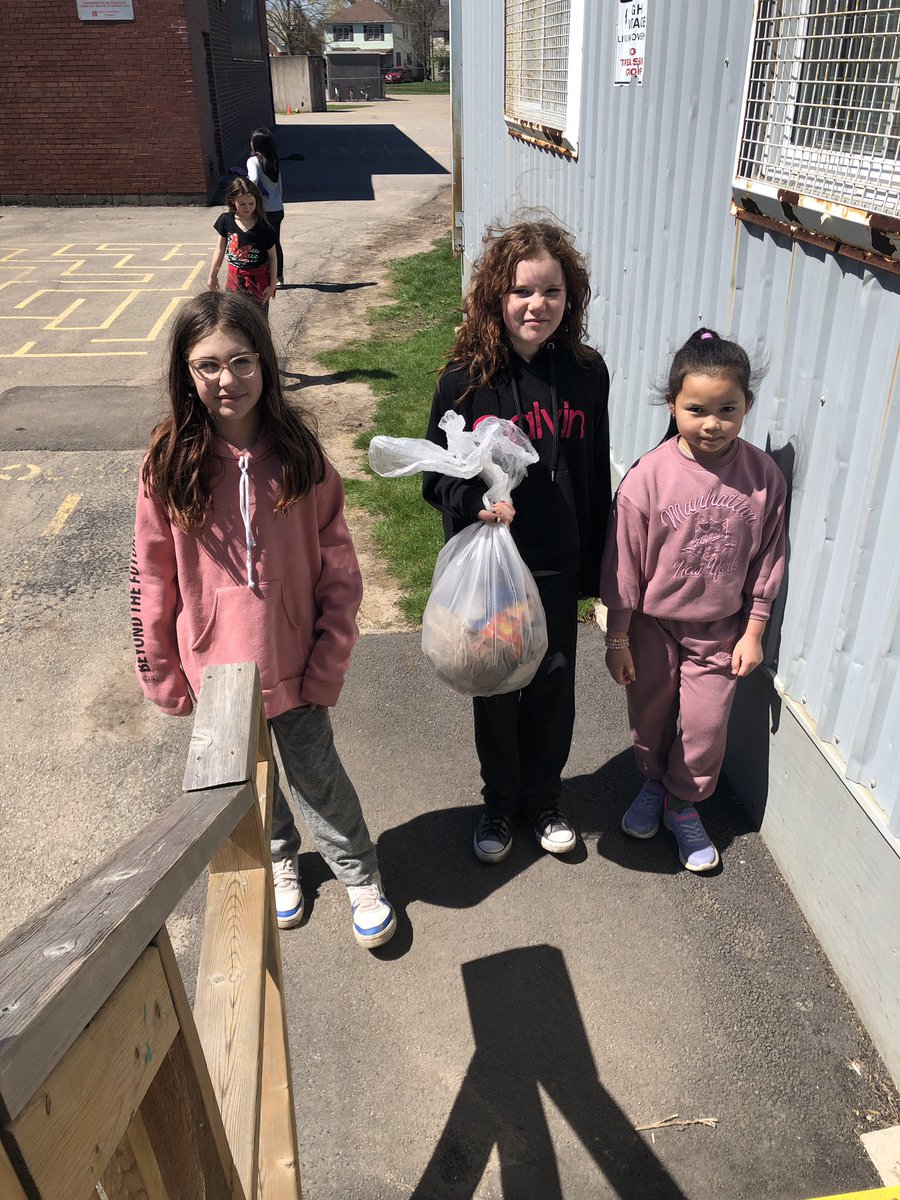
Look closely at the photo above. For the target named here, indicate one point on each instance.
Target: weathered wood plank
(175, 1117)
(58, 968)
(228, 1008)
(69, 1130)
(224, 738)
(201, 1095)
(279, 1160)
(10, 1188)
(265, 775)
(245, 849)
(133, 1172)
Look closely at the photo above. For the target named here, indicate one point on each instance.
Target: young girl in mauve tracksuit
(693, 562)
(521, 354)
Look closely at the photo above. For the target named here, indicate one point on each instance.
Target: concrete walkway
(527, 1018)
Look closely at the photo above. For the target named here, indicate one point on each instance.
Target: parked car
(398, 75)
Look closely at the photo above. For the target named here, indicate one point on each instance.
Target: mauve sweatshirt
(278, 589)
(692, 541)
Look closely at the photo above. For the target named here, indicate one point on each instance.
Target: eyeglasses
(242, 366)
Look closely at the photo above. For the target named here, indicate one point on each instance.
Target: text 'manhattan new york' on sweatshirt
(693, 541)
(278, 589)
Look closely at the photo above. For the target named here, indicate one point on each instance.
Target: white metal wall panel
(648, 199)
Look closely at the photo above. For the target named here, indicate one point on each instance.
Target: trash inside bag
(484, 630)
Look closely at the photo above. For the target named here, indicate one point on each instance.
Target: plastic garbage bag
(484, 631)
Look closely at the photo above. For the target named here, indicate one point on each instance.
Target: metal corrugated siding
(648, 199)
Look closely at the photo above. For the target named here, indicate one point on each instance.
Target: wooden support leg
(205, 1138)
(229, 1008)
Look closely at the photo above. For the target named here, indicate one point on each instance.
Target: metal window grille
(537, 61)
(822, 108)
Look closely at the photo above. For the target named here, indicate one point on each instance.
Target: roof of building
(365, 10)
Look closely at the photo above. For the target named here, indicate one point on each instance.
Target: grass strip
(400, 361)
(428, 87)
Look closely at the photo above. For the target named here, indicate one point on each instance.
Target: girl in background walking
(264, 169)
(248, 241)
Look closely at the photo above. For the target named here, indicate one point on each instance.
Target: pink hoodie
(692, 541)
(281, 590)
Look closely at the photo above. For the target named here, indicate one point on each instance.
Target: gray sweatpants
(323, 793)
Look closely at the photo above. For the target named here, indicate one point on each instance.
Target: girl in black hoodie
(521, 354)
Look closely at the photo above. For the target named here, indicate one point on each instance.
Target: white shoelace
(244, 497)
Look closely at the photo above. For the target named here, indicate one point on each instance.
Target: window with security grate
(542, 76)
(822, 105)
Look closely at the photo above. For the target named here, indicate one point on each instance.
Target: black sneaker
(554, 832)
(493, 838)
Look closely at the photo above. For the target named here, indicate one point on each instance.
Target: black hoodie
(563, 503)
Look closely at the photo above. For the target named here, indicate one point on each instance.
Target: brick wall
(122, 112)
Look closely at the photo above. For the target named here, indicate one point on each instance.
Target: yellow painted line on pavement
(79, 262)
(154, 332)
(884, 1193)
(63, 513)
(54, 322)
(33, 296)
(129, 299)
(12, 254)
(24, 352)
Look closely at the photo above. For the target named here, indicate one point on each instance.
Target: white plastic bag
(484, 630)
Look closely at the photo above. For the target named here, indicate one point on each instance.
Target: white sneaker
(288, 897)
(374, 922)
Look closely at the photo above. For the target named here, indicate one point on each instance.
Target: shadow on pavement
(326, 287)
(530, 1037)
(339, 161)
(302, 380)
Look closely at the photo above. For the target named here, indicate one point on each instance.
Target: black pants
(275, 219)
(523, 738)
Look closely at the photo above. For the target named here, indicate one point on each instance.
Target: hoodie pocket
(253, 625)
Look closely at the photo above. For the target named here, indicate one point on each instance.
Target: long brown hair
(178, 469)
(481, 343)
(246, 187)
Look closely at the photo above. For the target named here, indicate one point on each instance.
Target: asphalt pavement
(597, 1026)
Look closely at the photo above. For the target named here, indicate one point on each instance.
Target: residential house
(736, 166)
(360, 43)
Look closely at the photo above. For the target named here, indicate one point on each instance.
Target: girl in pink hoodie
(693, 561)
(241, 554)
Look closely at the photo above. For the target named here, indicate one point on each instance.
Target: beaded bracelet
(617, 643)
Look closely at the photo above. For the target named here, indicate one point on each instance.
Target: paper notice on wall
(105, 10)
(631, 32)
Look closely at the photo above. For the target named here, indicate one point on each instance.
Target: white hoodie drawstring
(244, 495)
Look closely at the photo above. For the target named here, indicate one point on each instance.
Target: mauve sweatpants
(683, 671)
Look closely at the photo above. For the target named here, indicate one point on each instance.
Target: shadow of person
(597, 802)
(529, 1037)
(756, 712)
(430, 858)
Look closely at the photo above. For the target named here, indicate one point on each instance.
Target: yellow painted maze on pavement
(94, 299)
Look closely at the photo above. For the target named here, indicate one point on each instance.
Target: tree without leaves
(296, 25)
(418, 15)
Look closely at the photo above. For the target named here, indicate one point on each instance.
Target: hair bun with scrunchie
(704, 335)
